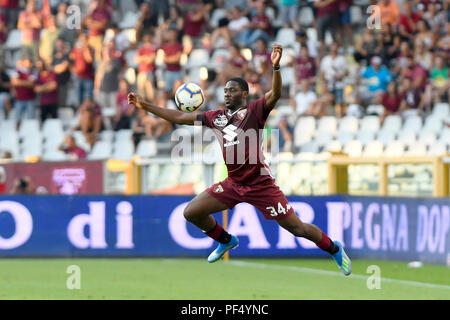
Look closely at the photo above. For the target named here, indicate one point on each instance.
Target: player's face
(233, 95)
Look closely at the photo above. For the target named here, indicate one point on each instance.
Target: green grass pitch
(167, 278)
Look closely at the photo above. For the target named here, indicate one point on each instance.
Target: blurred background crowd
(76, 60)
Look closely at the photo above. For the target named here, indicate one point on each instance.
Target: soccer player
(249, 179)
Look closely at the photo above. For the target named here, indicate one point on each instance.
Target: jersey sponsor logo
(218, 189)
(230, 135)
(221, 120)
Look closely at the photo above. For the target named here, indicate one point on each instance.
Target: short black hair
(242, 83)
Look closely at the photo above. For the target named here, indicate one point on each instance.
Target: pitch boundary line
(333, 273)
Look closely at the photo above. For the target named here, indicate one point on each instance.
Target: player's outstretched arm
(273, 95)
(173, 116)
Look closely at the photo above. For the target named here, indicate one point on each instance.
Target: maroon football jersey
(240, 134)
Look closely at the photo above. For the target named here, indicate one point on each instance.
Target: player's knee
(189, 213)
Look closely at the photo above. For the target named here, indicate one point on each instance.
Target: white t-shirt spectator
(237, 25)
(303, 100)
(332, 68)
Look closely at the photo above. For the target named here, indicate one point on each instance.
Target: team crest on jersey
(221, 120)
(241, 114)
(218, 189)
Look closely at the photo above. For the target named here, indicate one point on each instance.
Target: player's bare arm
(275, 93)
(173, 116)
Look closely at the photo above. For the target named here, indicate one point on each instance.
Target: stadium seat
(412, 124)
(327, 124)
(130, 34)
(288, 76)
(80, 140)
(306, 17)
(123, 150)
(219, 59)
(416, 149)
(312, 35)
(124, 134)
(7, 126)
(309, 147)
(432, 124)
(305, 124)
(107, 135)
(29, 127)
(437, 149)
(426, 137)
(31, 148)
(373, 149)
(394, 149)
(9, 141)
(441, 110)
(53, 127)
(101, 150)
(286, 37)
(370, 123)
(129, 20)
(333, 146)
(407, 137)
(356, 15)
(216, 15)
(54, 155)
(392, 123)
(198, 58)
(146, 148)
(300, 138)
(444, 136)
(129, 57)
(344, 137)
(14, 40)
(348, 124)
(67, 115)
(365, 136)
(194, 74)
(323, 138)
(385, 136)
(353, 148)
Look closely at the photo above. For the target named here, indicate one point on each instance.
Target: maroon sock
(219, 234)
(327, 245)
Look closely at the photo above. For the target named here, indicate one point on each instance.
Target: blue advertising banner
(388, 228)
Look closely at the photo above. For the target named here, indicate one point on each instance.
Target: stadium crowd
(343, 63)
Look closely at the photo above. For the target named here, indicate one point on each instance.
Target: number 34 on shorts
(280, 209)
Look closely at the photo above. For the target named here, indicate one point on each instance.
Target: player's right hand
(133, 99)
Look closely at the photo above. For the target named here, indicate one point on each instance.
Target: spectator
(389, 12)
(333, 70)
(82, 57)
(48, 40)
(145, 57)
(175, 20)
(235, 67)
(254, 84)
(11, 9)
(304, 41)
(70, 147)
(389, 44)
(97, 21)
(147, 23)
(172, 55)
(158, 126)
(258, 28)
(120, 40)
(305, 67)
(47, 87)
(436, 19)
(125, 111)
(424, 34)
(5, 92)
(142, 127)
(106, 83)
(345, 27)
(408, 20)
(305, 101)
(423, 57)
(237, 26)
(262, 64)
(412, 102)
(195, 21)
(327, 19)
(391, 100)
(90, 121)
(61, 67)
(68, 31)
(23, 185)
(288, 13)
(443, 44)
(439, 86)
(30, 23)
(367, 47)
(378, 77)
(23, 81)
(3, 35)
(416, 72)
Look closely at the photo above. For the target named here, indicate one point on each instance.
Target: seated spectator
(390, 43)
(303, 41)
(235, 67)
(61, 67)
(412, 102)
(30, 23)
(416, 72)
(97, 21)
(120, 40)
(145, 57)
(423, 56)
(82, 57)
(173, 50)
(70, 147)
(237, 25)
(305, 101)
(23, 185)
(333, 70)
(367, 47)
(408, 20)
(305, 67)
(255, 87)
(258, 28)
(443, 44)
(377, 77)
(90, 121)
(48, 39)
(435, 18)
(439, 86)
(5, 92)
(22, 82)
(391, 100)
(47, 87)
(424, 34)
(125, 111)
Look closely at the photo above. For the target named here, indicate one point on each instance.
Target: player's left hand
(277, 51)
